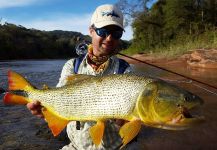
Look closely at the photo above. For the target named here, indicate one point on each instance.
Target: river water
(18, 128)
(21, 130)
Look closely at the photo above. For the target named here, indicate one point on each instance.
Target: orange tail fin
(17, 82)
(12, 99)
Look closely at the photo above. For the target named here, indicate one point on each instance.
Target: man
(105, 30)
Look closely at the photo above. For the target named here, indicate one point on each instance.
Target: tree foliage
(168, 21)
(17, 42)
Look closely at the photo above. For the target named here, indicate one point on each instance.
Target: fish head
(167, 106)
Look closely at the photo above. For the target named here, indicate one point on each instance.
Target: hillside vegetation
(172, 27)
(168, 28)
(18, 42)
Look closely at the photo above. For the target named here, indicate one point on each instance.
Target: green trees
(174, 21)
(17, 42)
(147, 28)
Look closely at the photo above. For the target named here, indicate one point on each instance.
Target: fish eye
(187, 98)
(178, 105)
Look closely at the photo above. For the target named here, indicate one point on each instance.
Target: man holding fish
(91, 91)
(106, 29)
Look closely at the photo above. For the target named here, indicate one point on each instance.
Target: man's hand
(120, 122)
(35, 108)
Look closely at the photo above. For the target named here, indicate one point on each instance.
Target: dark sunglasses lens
(101, 32)
(104, 33)
(117, 34)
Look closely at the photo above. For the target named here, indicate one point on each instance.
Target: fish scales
(139, 100)
(98, 97)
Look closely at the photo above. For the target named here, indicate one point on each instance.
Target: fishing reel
(82, 48)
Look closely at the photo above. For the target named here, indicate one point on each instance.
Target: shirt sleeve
(67, 70)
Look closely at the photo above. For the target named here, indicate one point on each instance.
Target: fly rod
(207, 84)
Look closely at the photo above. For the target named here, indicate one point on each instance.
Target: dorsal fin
(77, 78)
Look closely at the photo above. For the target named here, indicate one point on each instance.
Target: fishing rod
(207, 84)
(82, 47)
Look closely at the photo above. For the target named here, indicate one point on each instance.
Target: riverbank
(198, 58)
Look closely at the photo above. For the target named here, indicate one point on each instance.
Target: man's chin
(106, 52)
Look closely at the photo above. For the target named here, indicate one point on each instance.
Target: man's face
(103, 46)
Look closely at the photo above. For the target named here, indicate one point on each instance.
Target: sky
(48, 15)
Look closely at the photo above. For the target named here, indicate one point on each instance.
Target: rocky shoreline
(199, 58)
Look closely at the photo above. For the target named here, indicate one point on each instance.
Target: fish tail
(17, 82)
(12, 99)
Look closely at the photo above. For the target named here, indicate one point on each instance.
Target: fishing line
(190, 82)
(178, 81)
(190, 79)
(81, 48)
(205, 89)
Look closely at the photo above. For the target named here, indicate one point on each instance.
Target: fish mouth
(186, 118)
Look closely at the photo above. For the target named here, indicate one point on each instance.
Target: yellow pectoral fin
(55, 123)
(129, 130)
(96, 132)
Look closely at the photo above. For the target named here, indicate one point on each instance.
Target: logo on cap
(110, 13)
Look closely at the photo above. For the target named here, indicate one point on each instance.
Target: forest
(18, 42)
(168, 26)
(174, 26)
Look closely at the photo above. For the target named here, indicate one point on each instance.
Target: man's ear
(91, 30)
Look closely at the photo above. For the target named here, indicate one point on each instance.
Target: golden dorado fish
(137, 99)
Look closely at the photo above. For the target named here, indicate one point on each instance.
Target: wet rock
(203, 58)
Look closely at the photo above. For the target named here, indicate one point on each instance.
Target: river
(18, 128)
(21, 130)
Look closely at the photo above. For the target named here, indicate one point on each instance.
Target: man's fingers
(36, 112)
(119, 122)
(37, 103)
(35, 108)
(34, 105)
(40, 116)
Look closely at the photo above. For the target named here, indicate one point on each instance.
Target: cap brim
(107, 23)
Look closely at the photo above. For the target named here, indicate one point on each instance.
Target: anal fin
(55, 123)
(129, 131)
(96, 132)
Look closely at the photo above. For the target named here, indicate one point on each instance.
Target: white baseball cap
(107, 14)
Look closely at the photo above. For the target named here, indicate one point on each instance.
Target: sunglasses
(102, 32)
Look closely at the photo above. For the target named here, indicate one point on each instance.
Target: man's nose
(109, 37)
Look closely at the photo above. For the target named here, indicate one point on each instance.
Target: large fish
(137, 99)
